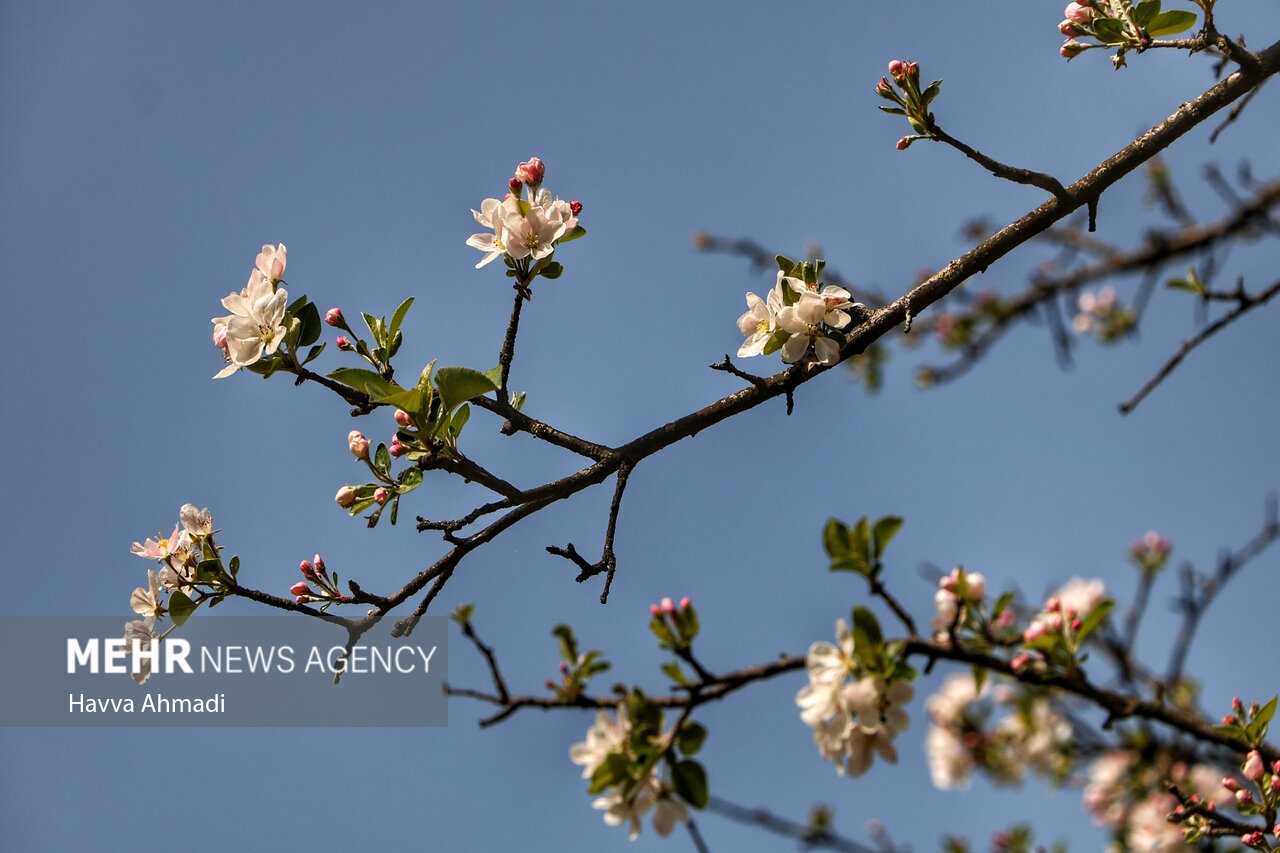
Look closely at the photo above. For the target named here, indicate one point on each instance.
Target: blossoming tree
(1015, 687)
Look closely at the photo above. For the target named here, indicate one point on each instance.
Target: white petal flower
(142, 630)
(617, 810)
(162, 547)
(803, 321)
(606, 735)
(1081, 595)
(197, 522)
(255, 325)
(532, 234)
(145, 601)
(271, 262)
(758, 324)
(490, 215)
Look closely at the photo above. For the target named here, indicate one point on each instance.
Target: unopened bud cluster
(902, 87)
(674, 626)
(318, 584)
(1119, 24)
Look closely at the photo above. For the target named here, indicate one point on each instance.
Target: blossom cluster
(855, 713)
(798, 316)
(526, 225)
(608, 753)
(1032, 734)
(1150, 552)
(1057, 632)
(1120, 24)
(1101, 314)
(902, 88)
(180, 557)
(255, 327)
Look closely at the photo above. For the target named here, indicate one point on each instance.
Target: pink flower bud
(1229, 720)
(302, 599)
(1251, 839)
(1072, 48)
(1075, 624)
(1243, 796)
(344, 344)
(1237, 705)
(319, 564)
(668, 606)
(904, 143)
(655, 611)
(358, 444)
(1077, 14)
(685, 602)
(300, 588)
(403, 419)
(396, 448)
(531, 171)
(575, 207)
(381, 496)
(307, 569)
(345, 497)
(883, 88)
(1052, 604)
(334, 318)
(913, 69)
(515, 186)
(1230, 784)
(1275, 784)
(1034, 631)
(1053, 622)
(1253, 766)
(1275, 830)
(977, 585)
(897, 69)
(1069, 29)
(1020, 662)
(564, 668)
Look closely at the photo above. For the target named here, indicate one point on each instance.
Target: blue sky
(146, 152)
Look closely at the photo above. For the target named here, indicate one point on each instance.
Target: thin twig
(1000, 170)
(807, 835)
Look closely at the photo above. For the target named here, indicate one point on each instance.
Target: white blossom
(607, 734)
(255, 326)
(196, 522)
(803, 320)
(145, 601)
(759, 322)
(490, 215)
(1081, 595)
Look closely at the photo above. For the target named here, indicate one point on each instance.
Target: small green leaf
(931, 92)
(1002, 604)
(690, 782)
(776, 340)
(1108, 30)
(785, 264)
(366, 381)
(1145, 11)
(462, 613)
(314, 353)
(1171, 22)
(459, 419)
(578, 231)
(896, 111)
(614, 769)
(209, 571)
(398, 317)
(377, 329)
(311, 326)
(867, 637)
(235, 567)
(552, 270)
(180, 607)
(835, 539)
(673, 671)
(568, 643)
(979, 678)
(410, 480)
(1094, 619)
(459, 384)
(885, 529)
(495, 375)
(382, 459)
(691, 738)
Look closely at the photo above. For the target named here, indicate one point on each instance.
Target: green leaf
(314, 353)
(690, 782)
(885, 529)
(979, 678)
(776, 340)
(382, 459)
(673, 671)
(1145, 12)
(366, 381)
(459, 384)
(568, 643)
(931, 92)
(835, 539)
(691, 738)
(895, 110)
(311, 326)
(377, 329)
(552, 270)
(412, 401)
(395, 513)
(615, 768)
(459, 419)
(1264, 715)
(1171, 22)
(209, 571)
(410, 479)
(578, 231)
(398, 317)
(180, 607)
(785, 264)
(867, 637)
(235, 567)
(1002, 604)
(1108, 30)
(462, 613)
(1094, 619)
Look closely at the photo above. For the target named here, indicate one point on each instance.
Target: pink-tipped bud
(883, 88)
(1243, 796)
(300, 588)
(1075, 624)
(1229, 720)
(1072, 48)
(1275, 830)
(396, 449)
(1077, 14)
(1275, 784)
(403, 418)
(515, 186)
(345, 497)
(381, 496)
(655, 611)
(302, 599)
(913, 69)
(564, 668)
(1237, 705)
(334, 318)
(685, 602)
(531, 171)
(358, 444)
(1053, 604)
(904, 143)
(319, 564)
(344, 344)
(1253, 766)
(220, 337)
(1252, 839)
(668, 606)
(575, 207)
(308, 570)
(1020, 662)
(1034, 631)
(1053, 622)
(1070, 30)
(897, 69)
(1230, 784)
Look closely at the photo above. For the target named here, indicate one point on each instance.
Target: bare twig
(807, 835)
(995, 167)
